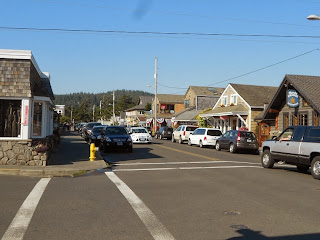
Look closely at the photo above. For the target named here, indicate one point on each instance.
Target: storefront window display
(37, 119)
(10, 118)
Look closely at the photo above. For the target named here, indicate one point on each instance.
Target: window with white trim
(37, 119)
(233, 99)
(224, 100)
(10, 118)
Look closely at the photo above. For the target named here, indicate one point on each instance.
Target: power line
(155, 33)
(260, 69)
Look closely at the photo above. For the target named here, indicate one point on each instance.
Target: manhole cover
(231, 213)
(239, 227)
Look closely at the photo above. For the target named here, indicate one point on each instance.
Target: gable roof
(255, 95)
(206, 91)
(143, 100)
(307, 86)
(169, 98)
(188, 115)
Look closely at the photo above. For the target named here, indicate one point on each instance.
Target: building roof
(187, 115)
(224, 111)
(169, 98)
(255, 95)
(206, 91)
(143, 100)
(307, 86)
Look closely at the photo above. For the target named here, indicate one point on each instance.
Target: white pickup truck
(297, 145)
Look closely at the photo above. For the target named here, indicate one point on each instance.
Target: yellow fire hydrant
(92, 152)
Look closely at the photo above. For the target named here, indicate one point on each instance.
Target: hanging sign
(292, 98)
(26, 115)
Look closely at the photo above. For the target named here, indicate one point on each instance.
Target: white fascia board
(25, 55)
(224, 114)
(219, 100)
(241, 97)
(45, 99)
(257, 107)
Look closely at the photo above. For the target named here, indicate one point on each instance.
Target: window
(294, 119)
(214, 133)
(315, 119)
(233, 99)
(186, 103)
(285, 120)
(201, 132)
(37, 119)
(303, 119)
(224, 101)
(10, 118)
(166, 108)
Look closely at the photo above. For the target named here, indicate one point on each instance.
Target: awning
(226, 111)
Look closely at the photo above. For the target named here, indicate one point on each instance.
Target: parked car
(95, 135)
(204, 137)
(140, 135)
(182, 133)
(115, 137)
(296, 145)
(235, 140)
(88, 129)
(164, 132)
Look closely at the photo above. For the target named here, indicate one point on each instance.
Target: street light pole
(155, 94)
(114, 116)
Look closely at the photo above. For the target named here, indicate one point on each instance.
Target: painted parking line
(154, 226)
(182, 168)
(21, 221)
(180, 163)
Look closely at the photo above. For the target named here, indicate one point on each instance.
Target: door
(264, 131)
(224, 141)
(283, 148)
(234, 124)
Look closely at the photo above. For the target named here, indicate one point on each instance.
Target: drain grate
(239, 226)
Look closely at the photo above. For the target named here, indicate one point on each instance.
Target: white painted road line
(21, 221)
(177, 163)
(155, 227)
(181, 168)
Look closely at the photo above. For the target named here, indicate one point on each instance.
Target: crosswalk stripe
(21, 221)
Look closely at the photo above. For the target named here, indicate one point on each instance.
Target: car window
(179, 128)
(231, 134)
(247, 134)
(116, 131)
(201, 131)
(313, 135)
(226, 134)
(214, 133)
(97, 129)
(286, 135)
(298, 134)
(139, 130)
(191, 128)
(195, 132)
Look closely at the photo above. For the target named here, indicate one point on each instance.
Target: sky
(125, 59)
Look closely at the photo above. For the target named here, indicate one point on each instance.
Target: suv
(164, 132)
(204, 137)
(296, 145)
(182, 133)
(235, 140)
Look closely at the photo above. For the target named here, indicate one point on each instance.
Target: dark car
(88, 129)
(95, 134)
(115, 137)
(164, 132)
(235, 140)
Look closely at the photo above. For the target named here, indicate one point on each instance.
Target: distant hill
(74, 99)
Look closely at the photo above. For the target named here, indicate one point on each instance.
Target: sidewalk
(70, 157)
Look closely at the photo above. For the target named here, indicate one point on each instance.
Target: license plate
(249, 140)
(142, 139)
(119, 143)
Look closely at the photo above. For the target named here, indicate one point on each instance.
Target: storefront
(26, 109)
(295, 103)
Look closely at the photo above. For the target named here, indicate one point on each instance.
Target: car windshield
(97, 129)
(214, 133)
(139, 130)
(116, 131)
(247, 134)
(91, 125)
(191, 128)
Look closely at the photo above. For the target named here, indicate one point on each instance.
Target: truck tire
(302, 169)
(266, 159)
(315, 167)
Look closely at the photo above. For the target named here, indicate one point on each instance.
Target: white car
(140, 135)
(204, 137)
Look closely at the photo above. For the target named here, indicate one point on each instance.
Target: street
(168, 190)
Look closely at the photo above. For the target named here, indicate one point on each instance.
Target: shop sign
(292, 98)
(26, 115)
(163, 106)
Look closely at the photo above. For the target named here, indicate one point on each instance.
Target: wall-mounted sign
(292, 98)
(26, 115)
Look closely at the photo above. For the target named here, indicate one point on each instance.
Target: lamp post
(313, 17)
(155, 94)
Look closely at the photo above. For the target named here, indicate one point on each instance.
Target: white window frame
(232, 97)
(224, 100)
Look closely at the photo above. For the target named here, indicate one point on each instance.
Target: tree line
(86, 106)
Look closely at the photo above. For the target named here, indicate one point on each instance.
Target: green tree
(148, 107)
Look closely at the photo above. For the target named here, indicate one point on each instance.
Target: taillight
(205, 138)
(238, 138)
(184, 133)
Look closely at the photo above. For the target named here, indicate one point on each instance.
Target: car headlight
(129, 139)
(99, 137)
(108, 139)
(93, 137)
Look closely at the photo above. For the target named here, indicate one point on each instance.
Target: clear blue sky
(95, 62)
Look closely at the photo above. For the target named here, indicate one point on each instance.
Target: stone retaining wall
(20, 152)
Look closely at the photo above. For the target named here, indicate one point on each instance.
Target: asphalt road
(166, 190)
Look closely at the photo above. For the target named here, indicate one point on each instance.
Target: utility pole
(114, 116)
(100, 110)
(155, 94)
(72, 121)
(93, 112)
